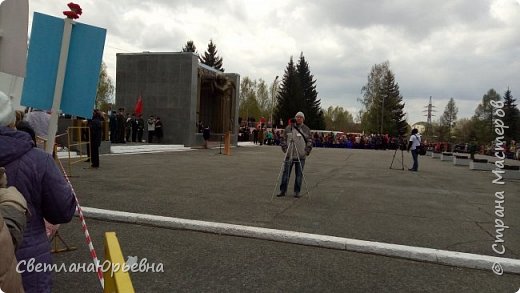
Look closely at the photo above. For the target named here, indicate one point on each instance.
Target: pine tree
(449, 117)
(383, 104)
(210, 57)
(511, 118)
(394, 122)
(290, 96)
(311, 104)
(189, 47)
(373, 101)
(483, 118)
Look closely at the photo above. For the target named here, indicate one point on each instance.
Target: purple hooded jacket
(35, 174)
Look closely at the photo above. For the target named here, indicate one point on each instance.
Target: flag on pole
(138, 107)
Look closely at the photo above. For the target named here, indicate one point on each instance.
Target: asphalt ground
(353, 194)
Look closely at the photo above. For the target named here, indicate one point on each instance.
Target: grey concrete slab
(201, 262)
(354, 194)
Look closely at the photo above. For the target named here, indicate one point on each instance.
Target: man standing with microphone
(297, 145)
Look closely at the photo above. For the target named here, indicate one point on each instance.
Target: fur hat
(7, 114)
(300, 114)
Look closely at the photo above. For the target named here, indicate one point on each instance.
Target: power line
(429, 111)
(119, 49)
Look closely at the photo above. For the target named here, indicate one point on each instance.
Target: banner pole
(58, 88)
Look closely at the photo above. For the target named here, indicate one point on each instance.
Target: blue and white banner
(83, 65)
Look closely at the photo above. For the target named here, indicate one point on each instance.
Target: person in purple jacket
(35, 174)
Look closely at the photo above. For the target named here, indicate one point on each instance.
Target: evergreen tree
(373, 101)
(511, 118)
(394, 121)
(211, 58)
(483, 118)
(382, 102)
(189, 47)
(311, 104)
(449, 117)
(290, 95)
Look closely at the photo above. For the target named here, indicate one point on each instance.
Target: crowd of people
(260, 135)
(329, 139)
(126, 127)
(337, 139)
(357, 141)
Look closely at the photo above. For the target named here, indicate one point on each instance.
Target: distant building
(180, 90)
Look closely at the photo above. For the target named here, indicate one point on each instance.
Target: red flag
(139, 107)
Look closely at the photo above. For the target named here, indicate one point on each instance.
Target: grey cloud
(418, 18)
(436, 48)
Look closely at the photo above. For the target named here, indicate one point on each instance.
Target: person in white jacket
(413, 145)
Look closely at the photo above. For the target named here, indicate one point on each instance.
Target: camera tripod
(289, 160)
(399, 147)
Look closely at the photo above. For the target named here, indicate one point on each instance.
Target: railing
(76, 132)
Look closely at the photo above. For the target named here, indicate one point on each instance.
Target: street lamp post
(273, 94)
(382, 114)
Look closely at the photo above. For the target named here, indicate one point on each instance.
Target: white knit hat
(300, 114)
(7, 114)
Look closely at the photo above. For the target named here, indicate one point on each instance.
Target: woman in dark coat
(36, 176)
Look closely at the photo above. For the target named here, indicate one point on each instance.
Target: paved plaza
(352, 194)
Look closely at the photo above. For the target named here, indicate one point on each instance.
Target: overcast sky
(442, 49)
